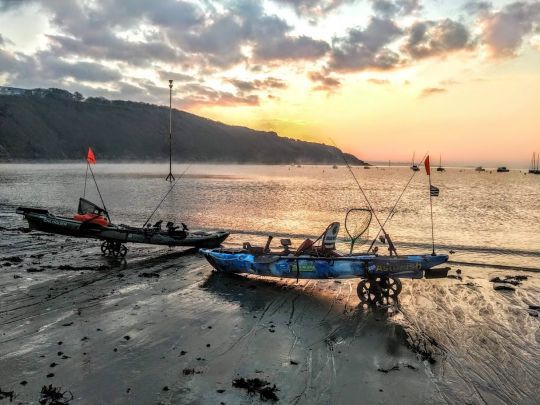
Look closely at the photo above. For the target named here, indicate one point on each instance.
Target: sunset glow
(383, 79)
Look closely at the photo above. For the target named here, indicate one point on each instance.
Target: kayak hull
(309, 267)
(42, 220)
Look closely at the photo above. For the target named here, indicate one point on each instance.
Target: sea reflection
(485, 217)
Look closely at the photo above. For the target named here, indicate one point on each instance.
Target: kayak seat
(254, 250)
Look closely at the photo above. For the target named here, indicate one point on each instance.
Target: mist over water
(491, 218)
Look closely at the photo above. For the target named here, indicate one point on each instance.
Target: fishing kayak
(96, 226)
(312, 267)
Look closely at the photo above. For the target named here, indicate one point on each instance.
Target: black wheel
(104, 247)
(390, 286)
(123, 251)
(369, 292)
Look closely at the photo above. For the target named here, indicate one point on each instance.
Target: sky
(383, 79)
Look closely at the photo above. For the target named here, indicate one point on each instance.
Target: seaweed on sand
(54, 396)
(7, 395)
(257, 386)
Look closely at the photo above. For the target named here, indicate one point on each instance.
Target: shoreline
(187, 333)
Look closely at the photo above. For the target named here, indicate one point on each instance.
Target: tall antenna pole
(170, 177)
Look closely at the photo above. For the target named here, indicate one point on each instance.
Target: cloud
(314, 8)
(197, 94)
(436, 38)
(429, 91)
(268, 83)
(179, 77)
(505, 30)
(290, 48)
(50, 67)
(477, 7)
(366, 49)
(325, 82)
(379, 81)
(10, 4)
(388, 8)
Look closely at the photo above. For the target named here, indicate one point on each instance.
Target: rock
(149, 275)
(503, 288)
(183, 353)
(188, 371)
(165, 388)
(67, 324)
(16, 276)
(13, 259)
(294, 363)
(411, 367)
(220, 391)
(533, 313)
(127, 337)
(387, 370)
(50, 375)
(7, 395)
(34, 270)
(23, 382)
(508, 280)
(535, 307)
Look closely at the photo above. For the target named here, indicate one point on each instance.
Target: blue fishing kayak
(312, 267)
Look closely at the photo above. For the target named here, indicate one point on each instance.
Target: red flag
(426, 165)
(90, 158)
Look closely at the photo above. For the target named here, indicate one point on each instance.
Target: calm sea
(489, 218)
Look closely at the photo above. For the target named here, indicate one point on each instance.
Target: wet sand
(183, 333)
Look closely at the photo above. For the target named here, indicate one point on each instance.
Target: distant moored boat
(440, 168)
(534, 164)
(414, 166)
(502, 169)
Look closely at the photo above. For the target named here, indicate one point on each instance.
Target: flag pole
(85, 177)
(431, 211)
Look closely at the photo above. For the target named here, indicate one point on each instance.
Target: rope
(168, 192)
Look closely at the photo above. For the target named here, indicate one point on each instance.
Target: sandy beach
(163, 327)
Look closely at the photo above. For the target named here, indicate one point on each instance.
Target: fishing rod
(391, 213)
(391, 246)
(99, 192)
(168, 192)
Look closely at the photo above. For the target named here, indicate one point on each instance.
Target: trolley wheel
(104, 247)
(390, 286)
(123, 251)
(369, 292)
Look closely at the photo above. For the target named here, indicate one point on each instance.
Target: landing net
(357, 223)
